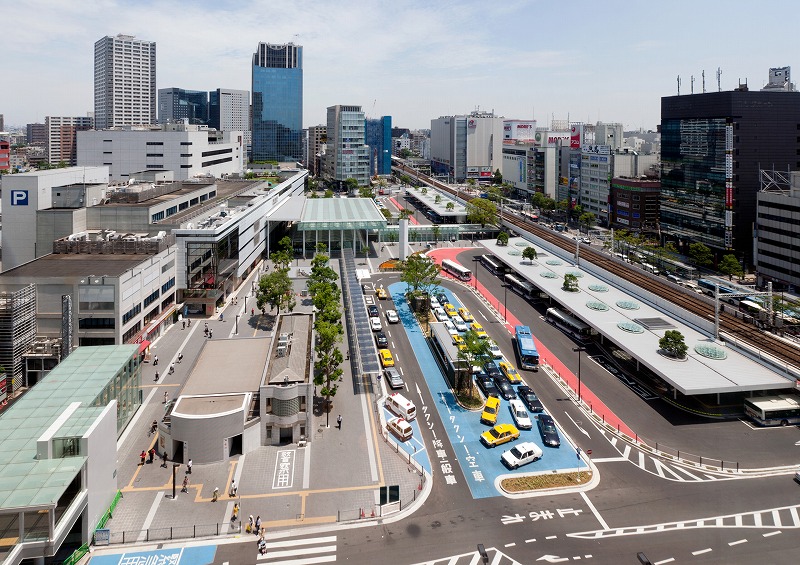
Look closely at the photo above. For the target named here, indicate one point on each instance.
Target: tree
(405, 153)
(366, 192)
(570, 283)
(587, 220)
(481, 211)
(673, 344)
(450, 206)
(404, 213)
(529, 253)
(471, 184)
(438, 198)
(282, 257)
(730, 266)
(420, 273)
(351, 185)
(502, 238)
(328, 366)
(387, 213)
(275, 289)
(328, 193)
(424, 190)
(497, 177)
(475, 351)
(700, 254)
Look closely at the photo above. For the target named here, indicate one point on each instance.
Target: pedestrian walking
(142, 456)
(164, 459)
(188, 322)
(180, 357)
(185, 487)
(165, 397)
(156, 377)
(153, 428)
(155, 360)
(339, 421)
(152, 454)
(233, 489)
(210, 334)
(221, 317)
(215, 494)
(252, 311)
(258, 524)
(249, 527)
(183, 324)
(171, 368)
(235, 513)
(189, 467)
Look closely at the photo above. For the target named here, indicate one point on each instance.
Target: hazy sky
(413, 60)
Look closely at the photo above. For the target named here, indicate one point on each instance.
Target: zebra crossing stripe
(795, 519)
(776, 518)
(626, 451)
(661, 467)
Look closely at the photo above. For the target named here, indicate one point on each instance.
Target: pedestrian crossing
(785, 517)
(496, 557)
(664, 468)
(300, 551)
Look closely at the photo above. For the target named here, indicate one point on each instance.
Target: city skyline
(521, 59)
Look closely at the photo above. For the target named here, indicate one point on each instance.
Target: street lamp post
(578, 351)
(236, 331)
(505, 298)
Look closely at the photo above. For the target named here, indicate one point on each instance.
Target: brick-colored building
(634, 203)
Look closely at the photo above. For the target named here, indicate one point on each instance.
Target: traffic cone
(373, 513)
(362, 513)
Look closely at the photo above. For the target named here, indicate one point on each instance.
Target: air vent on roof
(654, 323)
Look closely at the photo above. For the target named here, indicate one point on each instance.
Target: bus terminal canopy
(340, 214)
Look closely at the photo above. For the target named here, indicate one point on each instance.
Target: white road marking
(484, 317)
(577, 426)
(306, 466)
(551, 537)
(795, 519)
(512, 544)
(626, 451)
(670, 560)
(530, 540)
(702, 551)
(770, 534)
(737, 542)
(373, 467)
(594, 511)
(609, 459)
(150, 515)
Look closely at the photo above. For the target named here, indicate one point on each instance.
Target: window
(128, 316)
(153, 296)
(157, 216)
(155, 143)
(168, 285)
(154, 154)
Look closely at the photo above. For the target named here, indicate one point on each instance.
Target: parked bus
(569, 324)
(522, 287)
(493, 264)
(780, 410)
(749, 306)
(708, 287)
(526, 347)
(456, 270)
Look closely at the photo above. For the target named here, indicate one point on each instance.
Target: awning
(143, 346)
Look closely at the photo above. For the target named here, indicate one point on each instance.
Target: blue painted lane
(480, 465)
(200, 555)
(414, 447)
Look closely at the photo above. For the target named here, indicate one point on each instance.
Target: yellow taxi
(510, 372)
(386, 358)
(458, 340)
(465, 315)
(451, 310)
(478, 329)
(381, 293)
(490, 409)
(500, 434)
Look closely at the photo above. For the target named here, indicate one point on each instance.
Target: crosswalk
(786, 517)
(496, 557)
(661, 466)
(300, 551)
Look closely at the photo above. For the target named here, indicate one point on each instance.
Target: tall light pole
(578, 350)
(505, 298)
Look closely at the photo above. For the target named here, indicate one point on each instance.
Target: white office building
(186, 150)
(347, 155)
(597, 167)
(229, 110)
(124, 81)
(464, 147)
(62, 138)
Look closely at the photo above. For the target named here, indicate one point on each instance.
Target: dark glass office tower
(277, 103)
(379, 138)
(712, 147)
(177, 104)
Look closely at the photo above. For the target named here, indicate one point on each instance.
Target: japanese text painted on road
(284, 469)
(537, 515)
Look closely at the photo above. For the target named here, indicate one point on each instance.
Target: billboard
(524, 130)
(576, 136)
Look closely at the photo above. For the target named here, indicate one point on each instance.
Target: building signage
(576, 136)
(598, 149)
(19, 197)
(519, 130)
(728, 194)
(472, 123)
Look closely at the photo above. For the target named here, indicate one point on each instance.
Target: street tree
(529, 253)
(404, 213)
(700, 254)
(502, 238)
(328, 365)
(275, 290)
(497, 177)
(481, 211)
(673, 344)
(475, 352)
(328, 193)
(438, 198)
(450, 206)
(351, 185)
(587, 220)
(570, 283)
(730, 266)
(366, 192)
(420, 273)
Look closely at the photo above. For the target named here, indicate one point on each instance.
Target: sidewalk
(328, 484)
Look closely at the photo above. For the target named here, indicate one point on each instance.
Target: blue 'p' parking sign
(19, 197)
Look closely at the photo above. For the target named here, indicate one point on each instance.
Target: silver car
(394, 378)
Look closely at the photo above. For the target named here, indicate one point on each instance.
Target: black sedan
(381, 340)
(373, 311)
(548, 431)
(486, 384)
(506, 390)
(530, 399)
(492, 370)
(442, 298)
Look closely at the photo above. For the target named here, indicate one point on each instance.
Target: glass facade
(277, 103)
(693, 163)
(177, 104)
(210, 265)
(379, 138)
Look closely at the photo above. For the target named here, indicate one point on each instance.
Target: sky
(414, 60)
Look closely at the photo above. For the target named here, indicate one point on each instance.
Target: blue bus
(708, 287)
(526, 347)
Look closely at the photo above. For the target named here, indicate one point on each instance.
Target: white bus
(780, 410)
(456, 270)
(522, 287)
(493, 264)
(569, 324)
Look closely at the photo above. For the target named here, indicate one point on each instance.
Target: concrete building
(229, 110)
(277, 79)
(65, 430)
(316, 146)
(17, 333)
(5, 155)
(467, 146)
(62, 132)
(634, 204)
(36, 134)
(378, 134)
(515, 166)
(124, 82)
(632, 164)
(597, 168)
(609, 134)
(347, 155)
(179, 105)
(777, 239)
(43, 206)
(186, 150)
(713, 146)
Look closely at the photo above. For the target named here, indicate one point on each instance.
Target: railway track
(742, 331)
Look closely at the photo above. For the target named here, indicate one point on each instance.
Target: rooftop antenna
(679, 85)
(704, 81)
(692, 87)
(719, 76)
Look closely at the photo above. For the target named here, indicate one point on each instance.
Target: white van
(401, 406)
(693, 287)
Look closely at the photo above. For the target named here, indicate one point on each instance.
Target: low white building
(187, 150)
